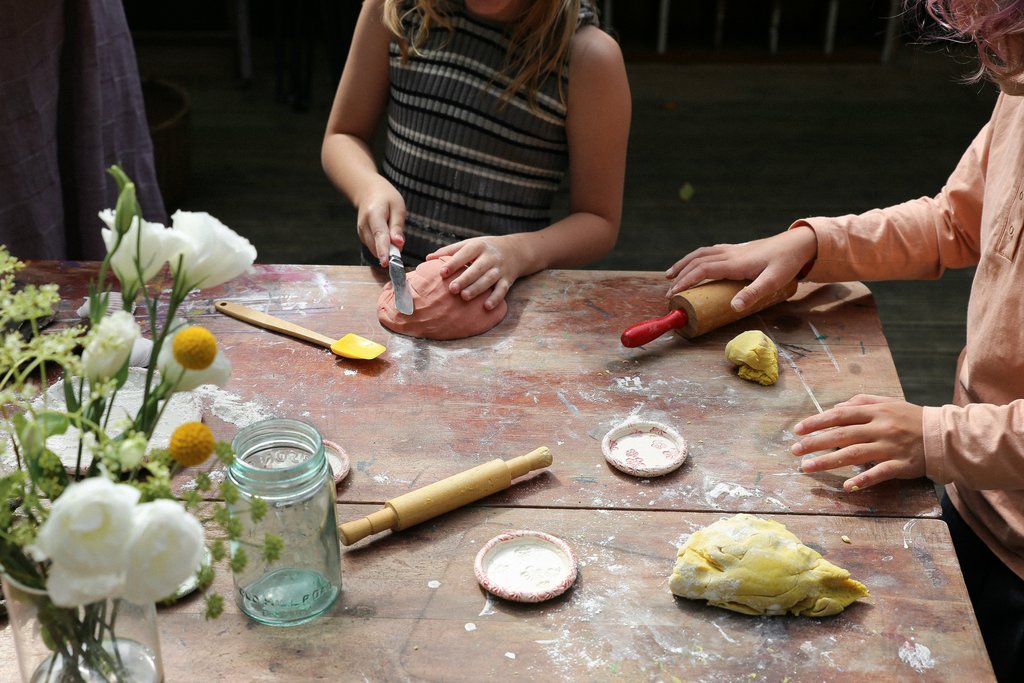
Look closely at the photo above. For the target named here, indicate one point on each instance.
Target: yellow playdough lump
(756, 355)
(757, 566)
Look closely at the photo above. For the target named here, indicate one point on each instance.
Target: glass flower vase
(106, 641)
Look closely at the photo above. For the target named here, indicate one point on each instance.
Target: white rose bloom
(71, 587)
(212, 253)
(84, 537)
(153, 249)
(164, 549)
(109, 345)
(217, 373)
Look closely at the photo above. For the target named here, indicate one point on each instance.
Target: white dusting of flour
(230, 407)
(908, 529)
(916, 656)
(629, 384)
(180, 408)
(488, 608)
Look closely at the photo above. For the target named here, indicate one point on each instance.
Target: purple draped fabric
(70, 106)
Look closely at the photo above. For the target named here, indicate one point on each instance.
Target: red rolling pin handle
(649, 330)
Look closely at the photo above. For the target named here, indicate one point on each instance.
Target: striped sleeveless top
(466, 161)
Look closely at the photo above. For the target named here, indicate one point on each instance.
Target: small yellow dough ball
(755, 353)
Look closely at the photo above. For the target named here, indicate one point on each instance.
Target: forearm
(980, 445)
(348, 162)
(577, 240)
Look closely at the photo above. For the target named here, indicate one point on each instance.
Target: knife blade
(396, 269)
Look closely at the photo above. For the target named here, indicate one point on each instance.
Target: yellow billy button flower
(191, 444)
(195, 348)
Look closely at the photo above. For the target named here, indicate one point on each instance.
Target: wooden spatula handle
(649, 330)
(269, 322)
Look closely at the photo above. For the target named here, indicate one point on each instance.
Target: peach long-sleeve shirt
(976, 445)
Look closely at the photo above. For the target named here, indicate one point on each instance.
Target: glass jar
(109, 640)
(282, 461)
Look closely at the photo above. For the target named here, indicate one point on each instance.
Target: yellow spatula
(349, 346)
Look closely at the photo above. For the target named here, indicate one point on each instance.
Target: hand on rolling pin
(769, 263)
(878, 430)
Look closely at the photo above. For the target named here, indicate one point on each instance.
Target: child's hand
(878, 430)
(481, 263)
(381, 221)
(770, 264)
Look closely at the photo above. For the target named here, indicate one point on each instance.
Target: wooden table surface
(555, 374)
(411, 610)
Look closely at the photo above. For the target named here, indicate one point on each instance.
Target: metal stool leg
(662, 26)
(830, 26)
(773, 28)
(891, 29)
(244, 40)
(719, 23)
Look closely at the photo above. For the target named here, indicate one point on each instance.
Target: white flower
(217, 373)
(109, 345)
(153, 248)
(85, 536)
(164, 549)
(88, 524)
(72, 588)
(212, 253)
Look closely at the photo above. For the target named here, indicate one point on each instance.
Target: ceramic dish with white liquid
(525, 566)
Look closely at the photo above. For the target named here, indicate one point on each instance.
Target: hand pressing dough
(438, 314)
(757, 566)
(756, 355)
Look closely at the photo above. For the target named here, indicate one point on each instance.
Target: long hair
(538, 45)
(996, 27)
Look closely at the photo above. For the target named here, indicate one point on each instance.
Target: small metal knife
(396, 269)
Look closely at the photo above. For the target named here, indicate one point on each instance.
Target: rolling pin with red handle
(444, 496)
(701, 309)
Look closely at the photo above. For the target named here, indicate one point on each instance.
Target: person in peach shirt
(975, 445)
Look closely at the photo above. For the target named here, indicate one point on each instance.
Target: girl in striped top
(489, 104)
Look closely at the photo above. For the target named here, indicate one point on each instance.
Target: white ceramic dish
(525, 566)
(644, 448)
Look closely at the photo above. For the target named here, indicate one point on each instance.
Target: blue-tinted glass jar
(282, 461)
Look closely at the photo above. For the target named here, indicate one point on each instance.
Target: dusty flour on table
(188, 406)
(182, 407)
(231, 407)
(439, 355)
(916, 656)
(216, 476)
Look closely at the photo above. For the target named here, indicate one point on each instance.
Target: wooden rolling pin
(701, 309)
(445, 495)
